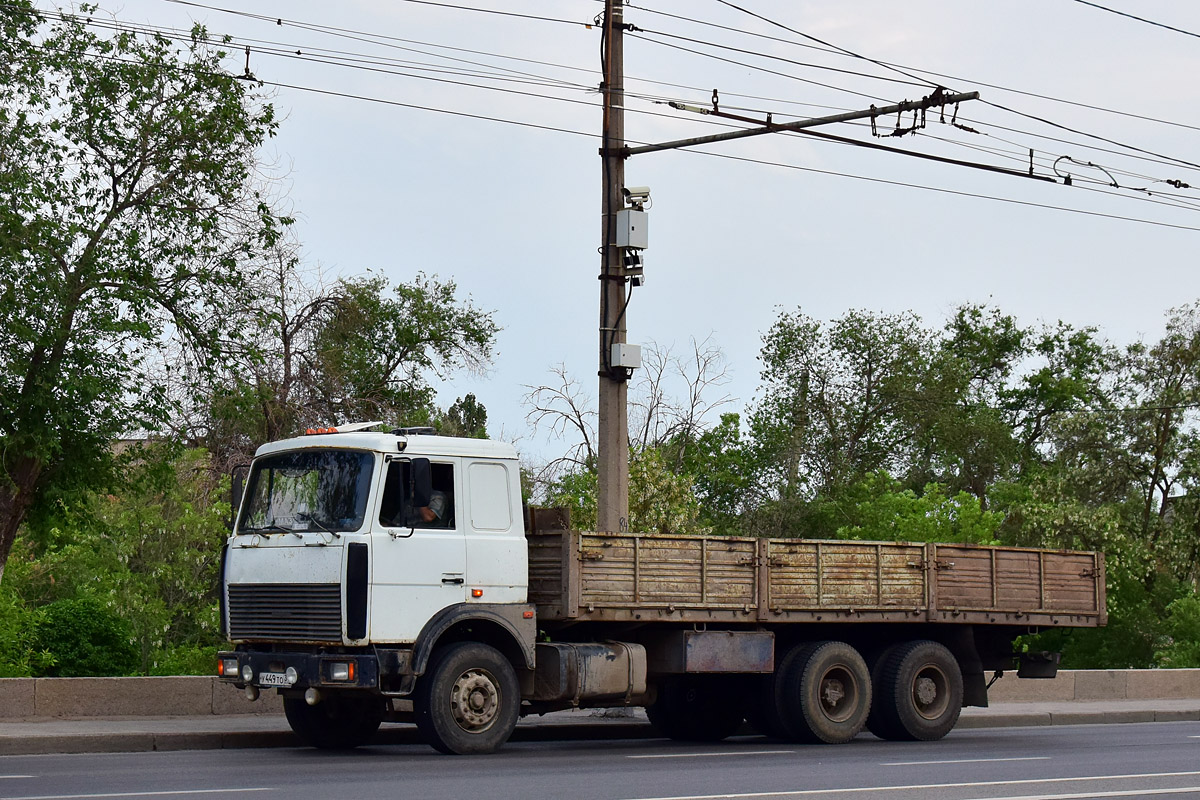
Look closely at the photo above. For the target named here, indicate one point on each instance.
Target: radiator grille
(286, 611)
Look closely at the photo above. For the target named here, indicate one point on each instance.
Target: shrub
(86, 639)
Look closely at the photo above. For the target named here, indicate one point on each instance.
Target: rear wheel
(468, 699)
(694, 708)
(880, 723)
(921, 692)
(828, 693)
(337, 722)
(769, 704)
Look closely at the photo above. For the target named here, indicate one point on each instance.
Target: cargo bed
(580, 576)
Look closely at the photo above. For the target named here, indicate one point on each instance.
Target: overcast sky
(511, 213)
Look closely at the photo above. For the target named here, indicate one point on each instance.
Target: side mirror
(421, 489)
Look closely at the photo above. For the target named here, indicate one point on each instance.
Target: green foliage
(87, 639)
(1182, 641)
(466, 416)
(378, 347)
(149, 551)
(134, 161)
(661, 499)
(20, 655)
(879, 508)
(185, 659)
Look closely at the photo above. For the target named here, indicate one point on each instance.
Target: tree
(379, 345)
(670, 401)
(311, 352)
(131, 200)
(835, 405)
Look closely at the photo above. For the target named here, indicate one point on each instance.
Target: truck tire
(768, 708)
(337, 722)
(828, 693)
(693, 708)
(921, 692)
(468, 700)
(882, 725)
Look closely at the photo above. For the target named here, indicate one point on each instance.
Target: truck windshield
(312, 490)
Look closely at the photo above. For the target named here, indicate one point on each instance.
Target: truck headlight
(247, 673)
(341, 670)
(292, 676)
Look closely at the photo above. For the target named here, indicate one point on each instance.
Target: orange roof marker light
(349, 428)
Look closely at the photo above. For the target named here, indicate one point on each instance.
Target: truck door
(419, 552)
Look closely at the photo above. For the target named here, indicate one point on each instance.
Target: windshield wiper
(315, 521)
(272, 528)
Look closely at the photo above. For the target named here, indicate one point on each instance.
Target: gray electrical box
(633, 228)
(626, 355)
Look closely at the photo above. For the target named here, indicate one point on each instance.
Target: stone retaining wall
(1099, 684)
(127, 697)
(200, 695)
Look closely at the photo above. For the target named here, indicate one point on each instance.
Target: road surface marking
(710, 755)
(919, 786)
(961, 761)
(142, 794)
(1112, 793)
(2, 777)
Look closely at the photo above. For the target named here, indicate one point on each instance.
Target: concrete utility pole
(612, 449)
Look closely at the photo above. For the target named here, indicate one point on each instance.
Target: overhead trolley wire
(1139, 19)
(558, 129)
(921, 70)
(454, 6)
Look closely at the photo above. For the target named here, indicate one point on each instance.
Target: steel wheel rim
(837, 693)
(930, 692)
(475, 700)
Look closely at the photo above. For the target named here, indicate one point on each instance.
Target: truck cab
(353, 553)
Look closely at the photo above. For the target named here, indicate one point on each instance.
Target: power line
(1139, 19)
(557, 129)
(947, 77)
(415, 2)
(940, 190)
(769, 21)
(777, 73)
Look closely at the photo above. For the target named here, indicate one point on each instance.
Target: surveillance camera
(636, 195)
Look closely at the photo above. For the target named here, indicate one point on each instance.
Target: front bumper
(300, 670)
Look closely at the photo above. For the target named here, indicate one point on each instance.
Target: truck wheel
(922, 692)
(468, 699)
(879, 722)
(828, 692)
(768, 709)
(336, 723)
(696, 709)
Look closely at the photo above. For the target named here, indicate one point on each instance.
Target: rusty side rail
(588, 576)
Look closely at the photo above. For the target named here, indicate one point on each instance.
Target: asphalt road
(1093, 761)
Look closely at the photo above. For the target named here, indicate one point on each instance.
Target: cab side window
(396, 508)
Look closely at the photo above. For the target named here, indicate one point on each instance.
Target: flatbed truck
(395, 576)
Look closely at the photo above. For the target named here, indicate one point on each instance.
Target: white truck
(376, 577)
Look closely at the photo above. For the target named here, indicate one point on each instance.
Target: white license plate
(272, 679)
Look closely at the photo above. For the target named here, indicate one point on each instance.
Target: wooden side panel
(792, 581)
(1071, 582)
(546, 586)
(808, 575)
(903, 576)
(730, 572)
(577, 576)
(1016, 581)
(627, 570)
